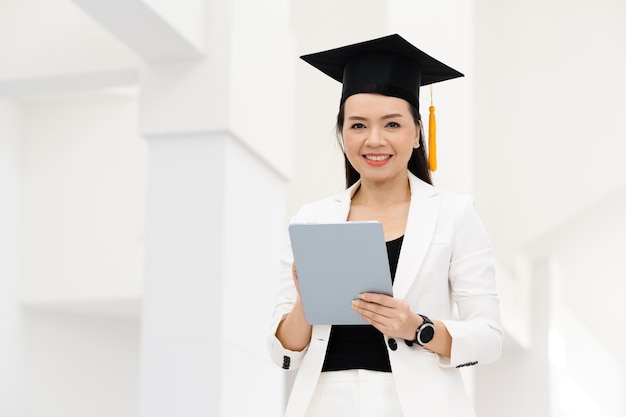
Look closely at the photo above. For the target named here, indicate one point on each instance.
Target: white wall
(12, 402)
(579, 361)
(82, 180)
(550, 95)
(549, 176)
(590, 249)
(81, 365)
(82, 161)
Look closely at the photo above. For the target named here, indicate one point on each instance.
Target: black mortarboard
(390, 66)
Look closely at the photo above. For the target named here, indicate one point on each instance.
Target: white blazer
(446, 272)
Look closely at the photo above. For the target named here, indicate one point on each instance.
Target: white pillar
(181, 349)
(215, 212)
(11, 357)
(218, 135)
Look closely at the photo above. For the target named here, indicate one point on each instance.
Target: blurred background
(153, 151)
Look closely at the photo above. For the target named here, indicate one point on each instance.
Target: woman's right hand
(293, 331)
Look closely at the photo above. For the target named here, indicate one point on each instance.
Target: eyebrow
(388, 116)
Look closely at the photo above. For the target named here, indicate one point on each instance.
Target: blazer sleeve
(286, 298)
(477, 334)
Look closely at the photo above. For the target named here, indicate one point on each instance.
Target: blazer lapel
(339, 208)
(420, 229)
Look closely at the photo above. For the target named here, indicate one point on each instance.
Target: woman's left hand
(391, 316)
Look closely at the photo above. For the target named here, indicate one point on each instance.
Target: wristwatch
(425, 332)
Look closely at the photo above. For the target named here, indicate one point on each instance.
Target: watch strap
(425, 332)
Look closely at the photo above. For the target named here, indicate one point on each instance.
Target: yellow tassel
(432, 135)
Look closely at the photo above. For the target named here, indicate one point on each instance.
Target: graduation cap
(390, 66)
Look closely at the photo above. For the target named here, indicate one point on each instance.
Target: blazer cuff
(472, 343)
(285, 358)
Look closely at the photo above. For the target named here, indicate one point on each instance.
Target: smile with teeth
(377, 157)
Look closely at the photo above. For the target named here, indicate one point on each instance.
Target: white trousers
(355, 393)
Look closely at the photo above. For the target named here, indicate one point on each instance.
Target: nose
(375, 137)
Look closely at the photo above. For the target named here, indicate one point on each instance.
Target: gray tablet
(335, 263)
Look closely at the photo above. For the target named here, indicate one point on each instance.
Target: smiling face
(379, 135)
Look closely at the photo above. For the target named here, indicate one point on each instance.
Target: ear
(418, 134)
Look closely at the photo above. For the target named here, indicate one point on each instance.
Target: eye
(357, 126)
(393, 124)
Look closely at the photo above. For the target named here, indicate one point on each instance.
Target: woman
(444, 312)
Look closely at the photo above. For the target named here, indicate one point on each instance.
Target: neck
(383, 194)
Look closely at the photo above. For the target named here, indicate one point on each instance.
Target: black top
(361, 346)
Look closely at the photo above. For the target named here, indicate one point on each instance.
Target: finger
(373, 312)
(383, 324)
(382, 299)
(376, 320)
(373, 308)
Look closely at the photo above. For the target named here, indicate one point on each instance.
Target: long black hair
(417, 165)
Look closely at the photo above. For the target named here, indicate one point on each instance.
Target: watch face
(426, 334)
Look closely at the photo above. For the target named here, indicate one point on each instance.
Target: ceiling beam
(152, 34)
(67, 83)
